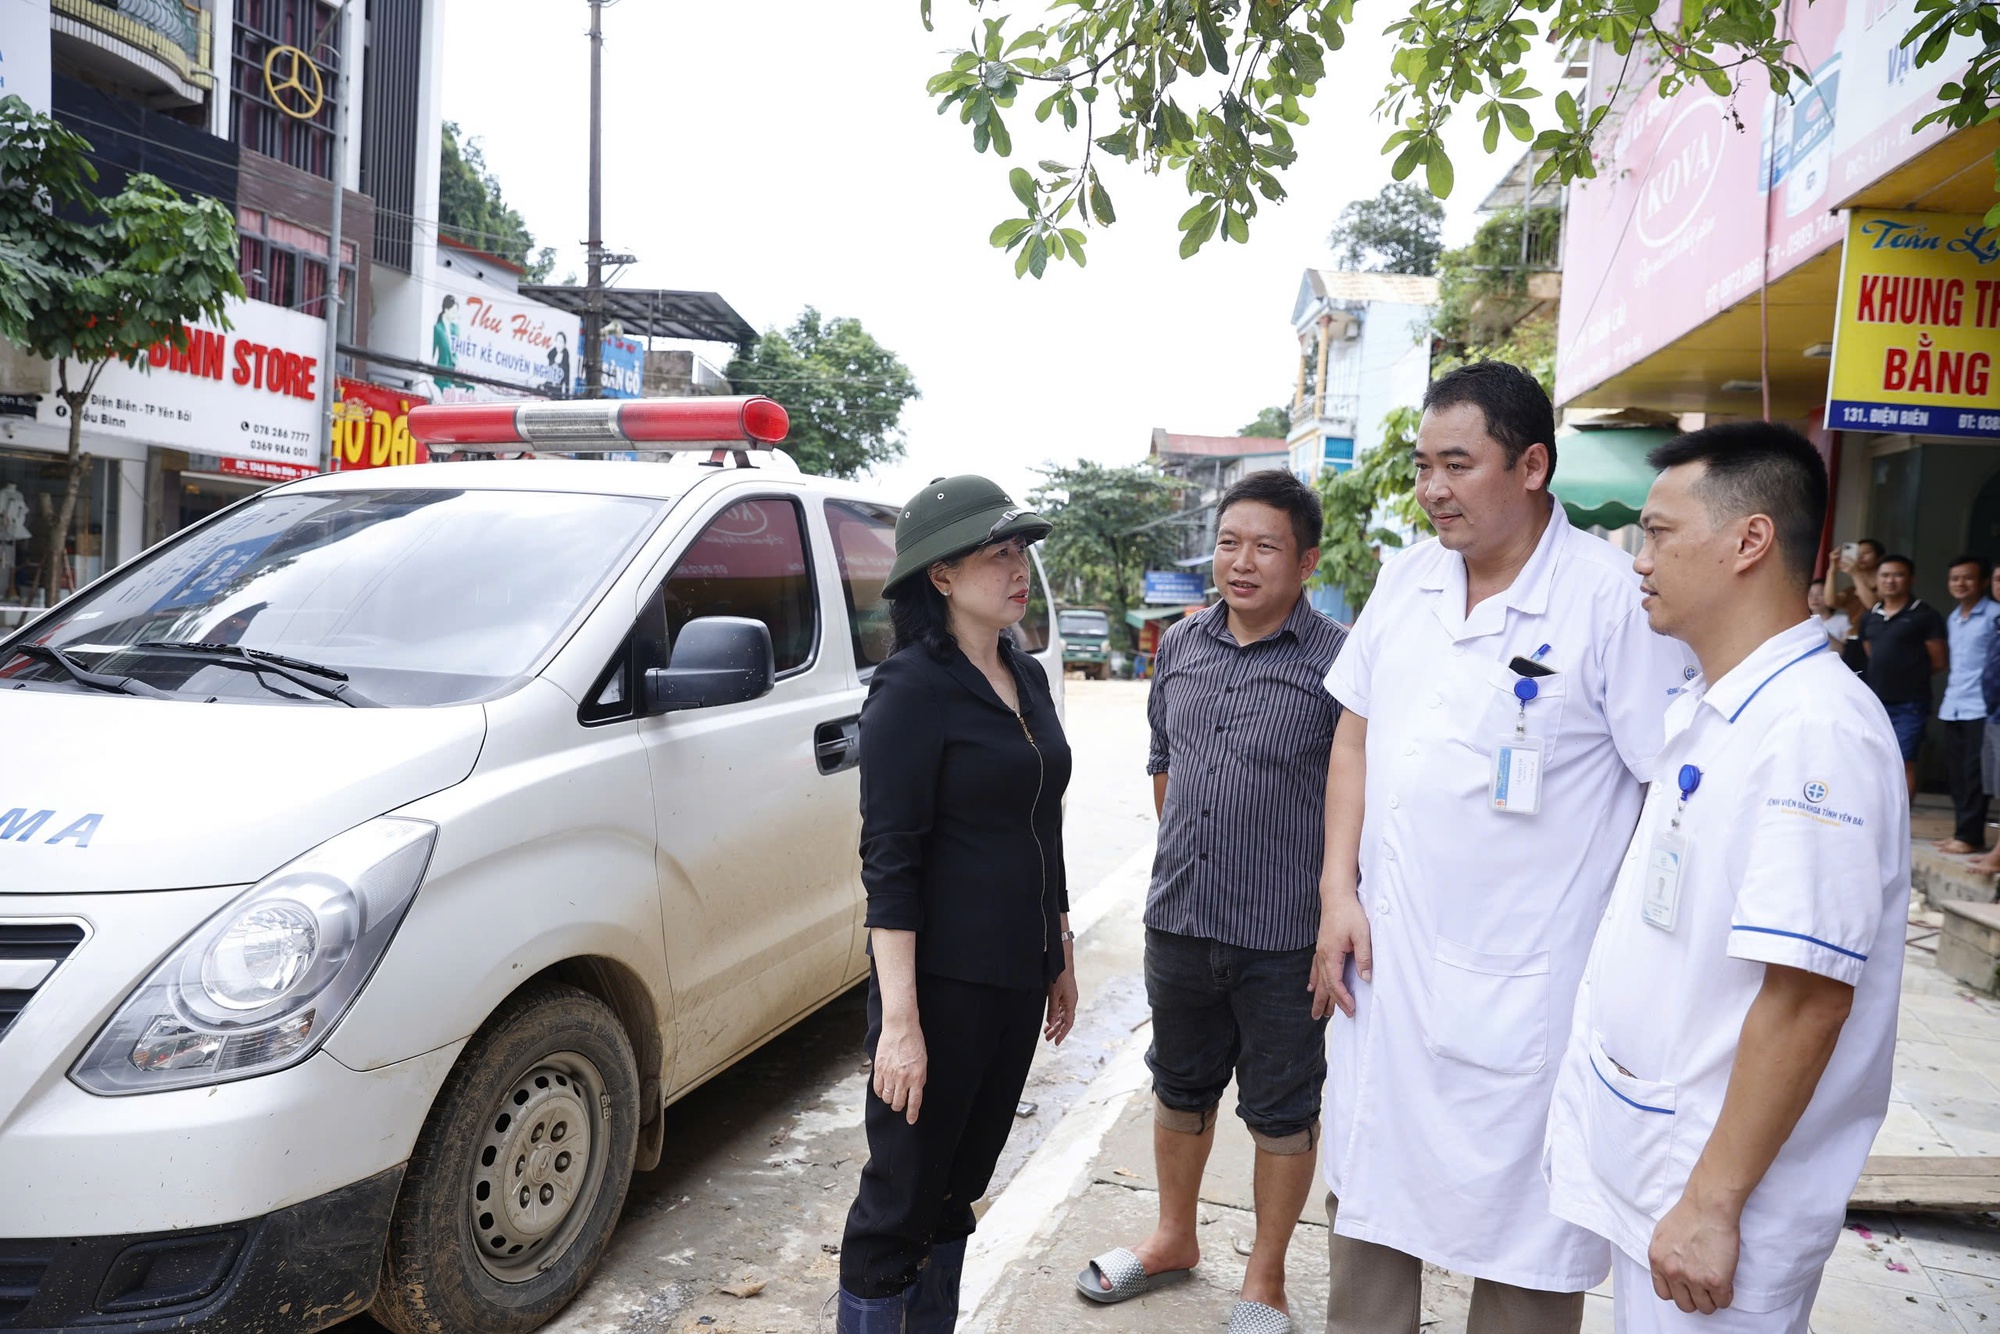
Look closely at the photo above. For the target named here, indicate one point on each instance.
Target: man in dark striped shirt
(1242, 728)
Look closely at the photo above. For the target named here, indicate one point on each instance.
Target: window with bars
(261, 125)
(285, 264)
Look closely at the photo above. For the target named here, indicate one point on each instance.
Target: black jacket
(961, 817)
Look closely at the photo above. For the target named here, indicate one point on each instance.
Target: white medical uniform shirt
(1798, 854)
(1438, 1087)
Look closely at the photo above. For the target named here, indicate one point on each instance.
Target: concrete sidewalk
(1091, 1189)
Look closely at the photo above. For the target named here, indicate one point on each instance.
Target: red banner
(371, 427)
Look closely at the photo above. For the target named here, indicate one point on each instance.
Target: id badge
(1666, 860)
(1517, 775)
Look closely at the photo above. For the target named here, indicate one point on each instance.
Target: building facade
(238, 100)
(1364, 350)
(1726, 260)
(235, 100)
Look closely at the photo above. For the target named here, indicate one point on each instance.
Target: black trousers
(1962, 740)
(920, 1182)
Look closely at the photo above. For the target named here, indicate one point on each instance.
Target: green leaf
(1438, 171)
(1517, 121)
(1100, 203)
(1212, 43)
(1003, 143)
(1038, 256)
(1009, 231)
(1023, 186)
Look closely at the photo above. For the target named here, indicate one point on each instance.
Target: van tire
(435, 1279)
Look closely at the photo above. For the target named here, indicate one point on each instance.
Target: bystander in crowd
(1831, 619)
(1905, 642)
(1989, 755)
(1962, 711)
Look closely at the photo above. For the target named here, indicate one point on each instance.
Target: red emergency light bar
(582, 426)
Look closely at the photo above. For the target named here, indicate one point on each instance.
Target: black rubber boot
(933, 1301)
(873, 1315)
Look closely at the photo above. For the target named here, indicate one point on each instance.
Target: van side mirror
(716, 660)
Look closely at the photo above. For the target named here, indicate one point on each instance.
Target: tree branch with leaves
(1213, 90)
(85, 281)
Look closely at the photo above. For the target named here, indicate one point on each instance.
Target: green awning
(1602, 475)
(1140, 616)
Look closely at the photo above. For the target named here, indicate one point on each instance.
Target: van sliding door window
(751, 561)
(864, 546)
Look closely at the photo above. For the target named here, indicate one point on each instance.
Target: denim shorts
(1222, 1010)
(1908, 720)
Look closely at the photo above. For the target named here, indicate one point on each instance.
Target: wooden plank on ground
(1923, 1184)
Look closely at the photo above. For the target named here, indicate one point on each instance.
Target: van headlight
(261, 983)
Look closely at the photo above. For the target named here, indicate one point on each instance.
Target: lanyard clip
(1689, 779)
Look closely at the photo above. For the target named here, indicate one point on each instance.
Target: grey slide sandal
(1128, 1278)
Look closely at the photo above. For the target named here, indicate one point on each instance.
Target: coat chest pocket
(1503, 708)
(1631, 1133)
(1488, 1010)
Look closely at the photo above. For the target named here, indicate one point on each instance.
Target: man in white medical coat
(1730, 1057)
(1502, 695)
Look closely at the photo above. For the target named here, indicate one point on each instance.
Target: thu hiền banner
(1917, 330)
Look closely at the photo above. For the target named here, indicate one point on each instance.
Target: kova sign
(250, 391)
(1918, 329)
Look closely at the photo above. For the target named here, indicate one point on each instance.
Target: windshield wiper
(83, 676)
(299, 672)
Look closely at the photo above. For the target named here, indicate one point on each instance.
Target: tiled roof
(1166, 443)
(1403, 288)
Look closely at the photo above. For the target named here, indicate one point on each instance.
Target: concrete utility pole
(337, 33)
(593, 307)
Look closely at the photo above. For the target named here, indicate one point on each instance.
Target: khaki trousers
(1377, 1290)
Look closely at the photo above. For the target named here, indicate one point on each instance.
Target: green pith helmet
(952, 516)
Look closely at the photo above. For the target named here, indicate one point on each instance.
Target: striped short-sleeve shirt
(1242, 732)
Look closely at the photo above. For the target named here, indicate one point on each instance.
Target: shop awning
(1602, 475)
(1139, 617)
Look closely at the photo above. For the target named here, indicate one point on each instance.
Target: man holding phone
(1501, 693)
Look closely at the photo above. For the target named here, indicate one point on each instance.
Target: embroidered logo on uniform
(1815, 792)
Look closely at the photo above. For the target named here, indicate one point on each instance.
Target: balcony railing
(1335, 407)
(171, 30)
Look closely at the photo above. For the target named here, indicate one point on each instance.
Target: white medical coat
(1798, 853)
(1438, 1087)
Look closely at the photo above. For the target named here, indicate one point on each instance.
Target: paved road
(761, 1163)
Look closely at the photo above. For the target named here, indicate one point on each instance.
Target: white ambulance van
(381, 857)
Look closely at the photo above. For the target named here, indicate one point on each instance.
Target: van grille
(29, 952)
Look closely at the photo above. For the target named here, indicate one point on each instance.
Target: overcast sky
(783, 153)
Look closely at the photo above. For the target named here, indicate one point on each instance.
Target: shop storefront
(1703, 275)
(32, 486)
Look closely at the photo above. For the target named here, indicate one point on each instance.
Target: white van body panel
(179, 805)
(544, 854)
(80, 1165)
(84, 1166)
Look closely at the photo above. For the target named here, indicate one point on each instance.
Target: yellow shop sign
(1917, 334)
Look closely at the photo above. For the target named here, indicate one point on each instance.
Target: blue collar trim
(1817, 648)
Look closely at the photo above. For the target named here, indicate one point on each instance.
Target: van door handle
(837, 745)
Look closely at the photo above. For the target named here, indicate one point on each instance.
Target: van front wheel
(517, 1178)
